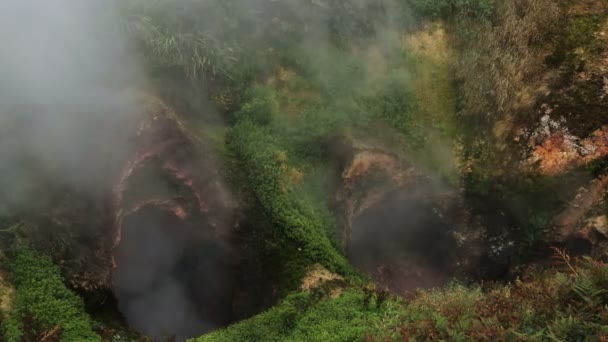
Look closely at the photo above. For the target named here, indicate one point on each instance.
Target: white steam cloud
(64, 68)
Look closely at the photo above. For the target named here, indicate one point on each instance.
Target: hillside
(277, 170)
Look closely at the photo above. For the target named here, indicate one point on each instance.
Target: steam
(403, 241)
(68, 114)
(150, 285)
(64, 113)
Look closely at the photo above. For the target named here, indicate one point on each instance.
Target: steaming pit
(397, 223)
(176, 266)
(402, 242)
(169, 279)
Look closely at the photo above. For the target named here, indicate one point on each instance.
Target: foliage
(559, 306)
(495, 58)
(352, 21)
(546, 306)
(284, 129)
(237, 40)
(160, 29)
(301, 94)
(521, 207)
(576, 40)
(395, 104)
(446, 8)
(267, 174)
(597, 167)
(306, 317)
(43, 303)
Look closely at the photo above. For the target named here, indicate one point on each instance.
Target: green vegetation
(446, 8)
(554, 306)
(292, 100)
(266, 167)
(43, 306)
(307, 317)
(282, 137)
(527, 204)
(238, 39)
(444, 91)
(577, 41)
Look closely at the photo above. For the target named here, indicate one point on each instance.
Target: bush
(265, 171)
(260, 108)
(43, 303)
(395, 103)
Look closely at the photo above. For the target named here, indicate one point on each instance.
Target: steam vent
(174, 260)
(295, 171)
(400, 226)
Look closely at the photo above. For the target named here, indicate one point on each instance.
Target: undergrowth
(565, 305)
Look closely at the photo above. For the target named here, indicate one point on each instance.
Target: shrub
(260, 108)
(265, 170)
